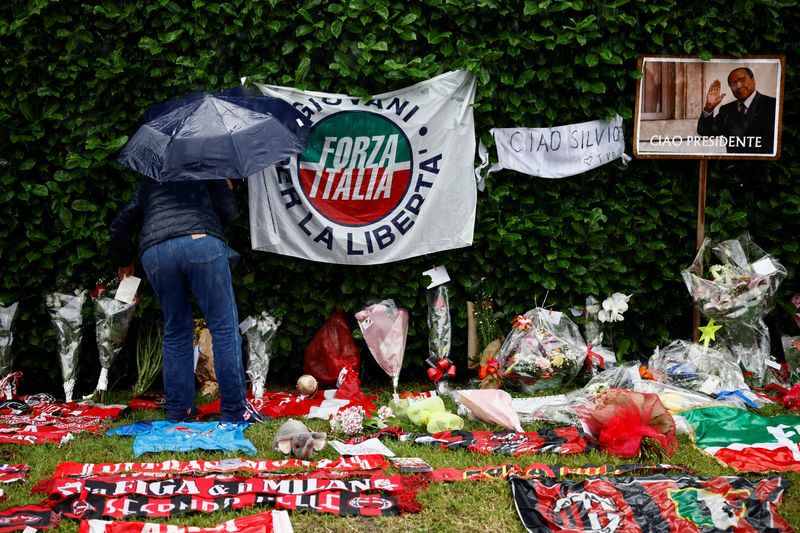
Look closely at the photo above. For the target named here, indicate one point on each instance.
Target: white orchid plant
(613, 308)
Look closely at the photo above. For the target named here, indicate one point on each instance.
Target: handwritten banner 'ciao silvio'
(557, 152)
(381, 180)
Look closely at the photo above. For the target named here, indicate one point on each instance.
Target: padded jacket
(161, 211)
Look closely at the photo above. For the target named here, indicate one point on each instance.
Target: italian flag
(747, 441)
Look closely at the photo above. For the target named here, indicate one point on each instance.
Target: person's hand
(229, 182)
(125, 271)
(713, 97)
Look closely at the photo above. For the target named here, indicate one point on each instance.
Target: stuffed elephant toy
(295, 438)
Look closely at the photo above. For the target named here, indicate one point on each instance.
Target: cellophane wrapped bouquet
(696, 367)
(65, 312)
(735, 283)
(112, 319)
(791, 352)
(543, 351)
(7, 314)
(259, 334)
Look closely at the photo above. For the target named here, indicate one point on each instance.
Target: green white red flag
(747, 441)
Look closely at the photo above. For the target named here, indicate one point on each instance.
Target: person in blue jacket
(183, 251)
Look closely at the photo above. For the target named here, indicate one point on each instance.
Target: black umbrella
(229, 134)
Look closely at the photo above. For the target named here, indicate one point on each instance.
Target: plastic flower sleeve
(439, 336)
(385, 327)
(112, 319)
(735, 283)
(697, 368)
(6, 338)
(259, 334)
(543, 351)
(791, 352)
(439, 322)
(740, 283)
(65, 313)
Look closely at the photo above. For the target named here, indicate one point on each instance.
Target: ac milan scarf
(216, 486)
(566, 440)
(29, 420)
(280, 404)
(266, 522)
(12, 473)
(538, 470)
(656, 504)
(148, 402)
(36, 516)
(38, 436)
(162, 436)
(362, 462)
(342, 503)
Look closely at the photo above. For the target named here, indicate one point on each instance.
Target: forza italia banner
(746, 441)
(381, 180)
(651, 504)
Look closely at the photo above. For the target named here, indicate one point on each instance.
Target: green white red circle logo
(356, 168)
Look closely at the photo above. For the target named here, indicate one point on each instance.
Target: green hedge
(76, 79)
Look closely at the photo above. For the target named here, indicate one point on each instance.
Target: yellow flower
(558, 361)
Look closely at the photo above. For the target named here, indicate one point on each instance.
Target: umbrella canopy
(230, 134)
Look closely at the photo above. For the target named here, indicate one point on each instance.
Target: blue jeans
(178, 268)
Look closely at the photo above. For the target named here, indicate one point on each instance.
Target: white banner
(557, 152)
(381, 180)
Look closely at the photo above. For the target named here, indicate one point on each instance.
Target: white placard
(438, 276)
(126, 292)
(764, 266)
(246, 324)
(368, 447)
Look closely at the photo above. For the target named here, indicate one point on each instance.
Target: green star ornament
(708, 332)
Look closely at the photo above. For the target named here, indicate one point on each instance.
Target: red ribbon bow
(596, 356)
(441, 368)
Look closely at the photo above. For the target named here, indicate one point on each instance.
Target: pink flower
(350, 421)
(543, 363)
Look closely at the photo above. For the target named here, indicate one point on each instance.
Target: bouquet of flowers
(791, 352)
(695, 367)
(627, 423)
(739, 291)
(439, 335)
(544, 350)
(353, 420)
(6, 338)
(112, 319)
(385, 327)
(741, 282)
(259, 333)
(65, 312)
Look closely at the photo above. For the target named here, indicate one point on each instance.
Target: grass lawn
(461, 506)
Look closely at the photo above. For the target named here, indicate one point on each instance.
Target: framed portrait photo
(722, 108)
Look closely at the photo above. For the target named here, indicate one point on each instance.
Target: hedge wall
(76, 78)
